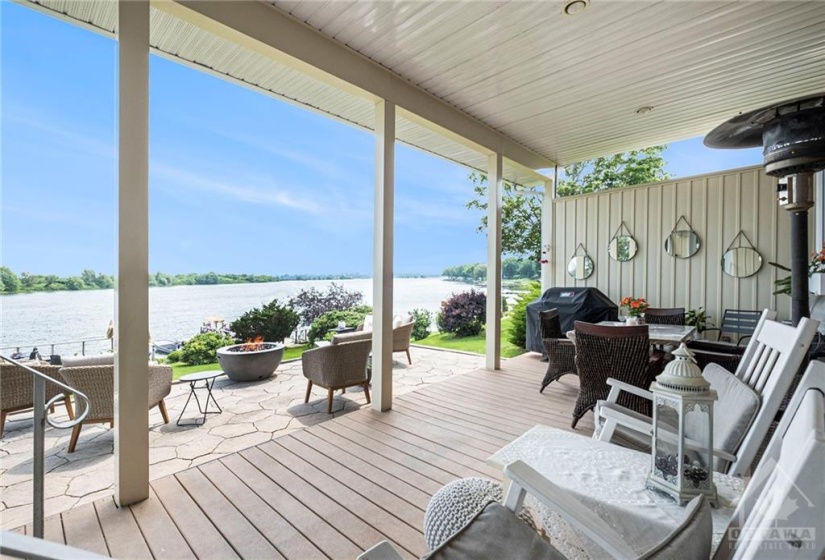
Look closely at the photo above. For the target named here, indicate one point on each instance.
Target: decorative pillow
(397, 321)
(368, 323)
(691, 539)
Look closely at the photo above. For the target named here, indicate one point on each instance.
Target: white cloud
(251, 191)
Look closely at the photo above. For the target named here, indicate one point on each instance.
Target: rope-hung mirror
(580, 266)
(622, 245)
(741, 259)
(682, 243)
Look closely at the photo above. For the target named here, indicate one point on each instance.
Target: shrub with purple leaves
(463, 314)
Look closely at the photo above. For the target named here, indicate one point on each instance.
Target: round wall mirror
(622, 248)
(741, 262)
(682, 244)
(580, 267)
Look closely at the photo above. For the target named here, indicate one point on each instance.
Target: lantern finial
(682, 374)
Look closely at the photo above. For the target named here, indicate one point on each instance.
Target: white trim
(547, 236)
(132, 288)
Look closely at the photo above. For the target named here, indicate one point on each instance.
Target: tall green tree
(521, 206)
(9, 282)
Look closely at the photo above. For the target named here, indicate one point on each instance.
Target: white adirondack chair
(768, 367)
(782, 513)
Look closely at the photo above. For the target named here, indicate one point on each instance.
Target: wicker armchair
(560, 351)
(400, 337)
(619, 352)
(98, 383)
(665, 316)
(337, 366)
(16, 387)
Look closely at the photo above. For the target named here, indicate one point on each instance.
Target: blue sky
(240, 182)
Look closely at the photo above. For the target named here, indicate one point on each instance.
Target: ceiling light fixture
(644, 109)
(575, 7)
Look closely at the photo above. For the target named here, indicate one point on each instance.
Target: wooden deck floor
(336, 488)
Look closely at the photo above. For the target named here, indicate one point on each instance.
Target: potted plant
(698, 318)
(634, 308)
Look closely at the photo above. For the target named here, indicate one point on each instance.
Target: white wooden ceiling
(566, 87)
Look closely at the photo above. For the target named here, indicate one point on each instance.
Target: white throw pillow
(397, 321)
(368, 323)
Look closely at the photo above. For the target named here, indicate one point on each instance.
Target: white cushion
(98, 360)
(735, 410)
(397, 321)
(368, 323)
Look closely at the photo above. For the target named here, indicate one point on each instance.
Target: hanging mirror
(682, 243)
(580, 266)
(622, 245)
(743, 260)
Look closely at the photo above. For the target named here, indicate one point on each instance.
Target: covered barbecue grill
(574, 304)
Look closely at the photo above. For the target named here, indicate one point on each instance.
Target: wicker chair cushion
(98, 360)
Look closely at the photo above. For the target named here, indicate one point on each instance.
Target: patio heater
(792, 134)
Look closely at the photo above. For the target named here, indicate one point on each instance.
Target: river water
(175, 313)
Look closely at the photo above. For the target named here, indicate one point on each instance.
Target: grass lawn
(475, 344)
(179, 369)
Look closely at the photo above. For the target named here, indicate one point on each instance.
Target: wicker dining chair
(618, 352)
(337, 366)
(665, 316)
(560, 351)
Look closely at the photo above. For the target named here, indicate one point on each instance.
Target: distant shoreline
(167, 281)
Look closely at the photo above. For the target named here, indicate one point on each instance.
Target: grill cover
(574, 304)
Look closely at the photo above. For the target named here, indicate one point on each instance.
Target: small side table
(208, 378)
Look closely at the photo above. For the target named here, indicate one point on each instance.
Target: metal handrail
(40, 418)
(82, 343)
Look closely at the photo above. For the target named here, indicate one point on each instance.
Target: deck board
(336, 488)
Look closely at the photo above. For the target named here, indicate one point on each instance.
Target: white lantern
(682, 454)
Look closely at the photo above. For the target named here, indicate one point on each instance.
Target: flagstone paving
(252, 414)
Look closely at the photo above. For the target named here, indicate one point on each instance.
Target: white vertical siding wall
(717, 206)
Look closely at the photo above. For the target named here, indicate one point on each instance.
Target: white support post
(382, 281)
(132, 289)
(494, 178)
(546, 252)
(817, 283)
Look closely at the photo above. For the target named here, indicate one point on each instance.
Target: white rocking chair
(748, 399)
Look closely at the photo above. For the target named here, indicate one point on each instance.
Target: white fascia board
(268, 31)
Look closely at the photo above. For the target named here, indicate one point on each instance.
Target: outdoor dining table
(659, 334)
(609, 480)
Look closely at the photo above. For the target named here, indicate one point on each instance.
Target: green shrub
(273, 322)
(174, 356)
(518, 325)
(202, 348)
(463, 314)
(423, 320)
(329, 320)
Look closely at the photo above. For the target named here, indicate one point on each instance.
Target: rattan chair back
(665, 316)
(550, 324)
(619, 352)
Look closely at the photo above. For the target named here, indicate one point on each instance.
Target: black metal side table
(208, 378)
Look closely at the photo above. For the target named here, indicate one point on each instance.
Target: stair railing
(40, 407)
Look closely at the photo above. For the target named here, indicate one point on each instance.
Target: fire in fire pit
(252, 345)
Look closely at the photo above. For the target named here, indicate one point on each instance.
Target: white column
(132, 289)
(547, 236)
(817, 283)
(382, 282)
(494, 173)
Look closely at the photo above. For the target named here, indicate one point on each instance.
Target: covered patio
(513, 90)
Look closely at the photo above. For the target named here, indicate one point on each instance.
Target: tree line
(511, 269)
(11, 283)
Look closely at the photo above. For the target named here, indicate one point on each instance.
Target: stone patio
(252, 413)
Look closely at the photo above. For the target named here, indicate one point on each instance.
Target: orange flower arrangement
(635, 306)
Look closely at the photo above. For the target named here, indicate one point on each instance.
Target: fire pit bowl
(251, 361)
